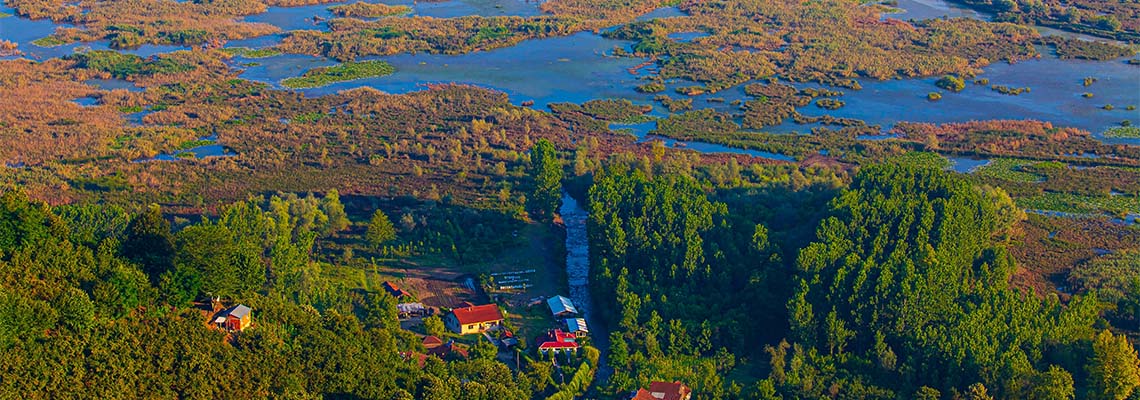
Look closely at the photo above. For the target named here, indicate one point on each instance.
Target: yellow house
(474, 319)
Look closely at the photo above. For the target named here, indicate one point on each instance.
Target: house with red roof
(431, 342)
(394, 290)
(474, 319)
(557, 341)
(664, 391)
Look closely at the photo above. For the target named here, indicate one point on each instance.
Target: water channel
(578, 277)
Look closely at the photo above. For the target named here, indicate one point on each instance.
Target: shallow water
(1055, 96)
(927, 9)
(113, 84)
(966, 165)
(644, 132)
(576, 69)
(562, 69)
(301, 18)
(24, 31)
(578, 276)
(200, 152)
(88, 101)
(663, 12)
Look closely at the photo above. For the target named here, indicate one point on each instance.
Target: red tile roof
(664, 391)
(394, 290)
(477, 314)
(557, 339)
(643, 394)
(431, 342)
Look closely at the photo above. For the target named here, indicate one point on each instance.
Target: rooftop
(576, 325)
(394, 290)
(664, 391)
(431, 342)
(557, 339)
(561, 305)
(239, 311)
(477, 314)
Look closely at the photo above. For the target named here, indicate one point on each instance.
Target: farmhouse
(561, 306)
(556, 340)
(474, 319)
(235, 319)
(664, 391)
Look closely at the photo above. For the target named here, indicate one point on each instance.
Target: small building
(664, 391)
(394, 290)
(448, 350)
(234, 319)
(474, 319)
(409, 310)
(560, 306)
(577, 326)
(556, 341)
(431, 342)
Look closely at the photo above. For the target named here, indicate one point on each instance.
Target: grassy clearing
(323, 76)
(251, 53)
(1078, 204)
(49, 41)
(921, 159)
(1008, 169)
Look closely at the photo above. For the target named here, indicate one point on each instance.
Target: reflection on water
(927, 9)
(1055, 96)
(113, 84)
(88, 101)
(965, 165)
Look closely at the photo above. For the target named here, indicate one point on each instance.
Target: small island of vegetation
(368, 10)
(1123, 132)
(322, 76)
(951, 83)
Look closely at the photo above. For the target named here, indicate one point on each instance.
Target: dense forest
(903, 292)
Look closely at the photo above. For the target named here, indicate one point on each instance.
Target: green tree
(1054, 384)
(149, 242)
(331, 206)
(434, 326)
(227, 265)
(380, 311)
(22, 221)
(927, 393)
(1114, 371)
(380, 230)
(546, 170)
(484, 350)
(75, 309)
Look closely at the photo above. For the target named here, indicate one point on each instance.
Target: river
(578, 278)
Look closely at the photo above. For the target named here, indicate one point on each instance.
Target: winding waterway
(578, 277)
